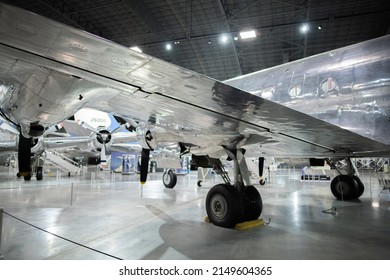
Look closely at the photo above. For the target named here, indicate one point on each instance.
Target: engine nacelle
(146, 138)
(103, 137)
(32, 130)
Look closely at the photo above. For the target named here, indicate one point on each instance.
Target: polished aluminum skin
(348, 87)
(48, 71)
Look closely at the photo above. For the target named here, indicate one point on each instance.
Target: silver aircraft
(330, 106)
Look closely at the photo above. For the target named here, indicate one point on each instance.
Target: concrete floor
(112, 216)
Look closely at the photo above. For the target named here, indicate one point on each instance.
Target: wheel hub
(166, 178)
(219, 206)
(343, 187)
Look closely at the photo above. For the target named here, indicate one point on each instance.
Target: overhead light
(168, 46)
(304, 28)
(247, 34)
(235, 38)
(319, 27)
(224, 38)
(137, 49)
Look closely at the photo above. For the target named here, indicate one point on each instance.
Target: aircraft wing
(59, 69)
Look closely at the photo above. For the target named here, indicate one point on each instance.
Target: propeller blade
(119, 128)
(144, 165)
(103, 157)
(87, 126)
(130, 125)
(24, 155)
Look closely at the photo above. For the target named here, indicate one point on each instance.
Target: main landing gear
(346, 187)
(169, 179)
(228, 204)
(28, 165)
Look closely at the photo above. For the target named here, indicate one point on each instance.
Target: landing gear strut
(228, 204)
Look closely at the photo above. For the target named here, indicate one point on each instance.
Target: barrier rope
(56, 235)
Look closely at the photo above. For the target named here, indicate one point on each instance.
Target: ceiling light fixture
(304, 28)
(248, 34)
(224, 38)
(168, 46)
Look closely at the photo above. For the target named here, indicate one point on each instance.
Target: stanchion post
(1, 229)
(71, 195)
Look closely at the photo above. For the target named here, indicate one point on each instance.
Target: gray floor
(112, 216)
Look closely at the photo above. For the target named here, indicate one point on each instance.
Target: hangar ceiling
(193, 28)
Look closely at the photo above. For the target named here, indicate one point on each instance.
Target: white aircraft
(9, 144)
(331, 106)
(93, 132)
(106, 133)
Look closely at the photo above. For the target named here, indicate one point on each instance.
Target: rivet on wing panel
(120, 62)
(191, 86)
(156, 75)
(78, 47)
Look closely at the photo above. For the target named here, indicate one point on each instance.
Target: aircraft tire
(253, 204)
(27, 177)
(224, 206)
(199, 183)
(360, 187)
(169, 179)
(39, 173)
(262, 182)
(344, 187)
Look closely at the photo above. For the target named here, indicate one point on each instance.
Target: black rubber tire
(262, 182)
(344, 187)
(28, 177)
(360, 187)
(199, 183)
(39, 173)
(224, 206)
(169, 179)
(253, 204)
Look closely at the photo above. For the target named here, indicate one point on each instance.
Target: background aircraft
(49, 71)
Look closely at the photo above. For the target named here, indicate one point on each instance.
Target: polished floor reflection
(108, 216)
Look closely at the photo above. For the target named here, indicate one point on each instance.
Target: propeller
(103, 157)
(24, 156)
(103, 137)
(145, 155)
(132, 125)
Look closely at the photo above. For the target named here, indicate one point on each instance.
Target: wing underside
(200, 110)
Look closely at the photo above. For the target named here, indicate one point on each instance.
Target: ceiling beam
(77, 20)
(271, 27)
(146, 15)
(223, 6)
